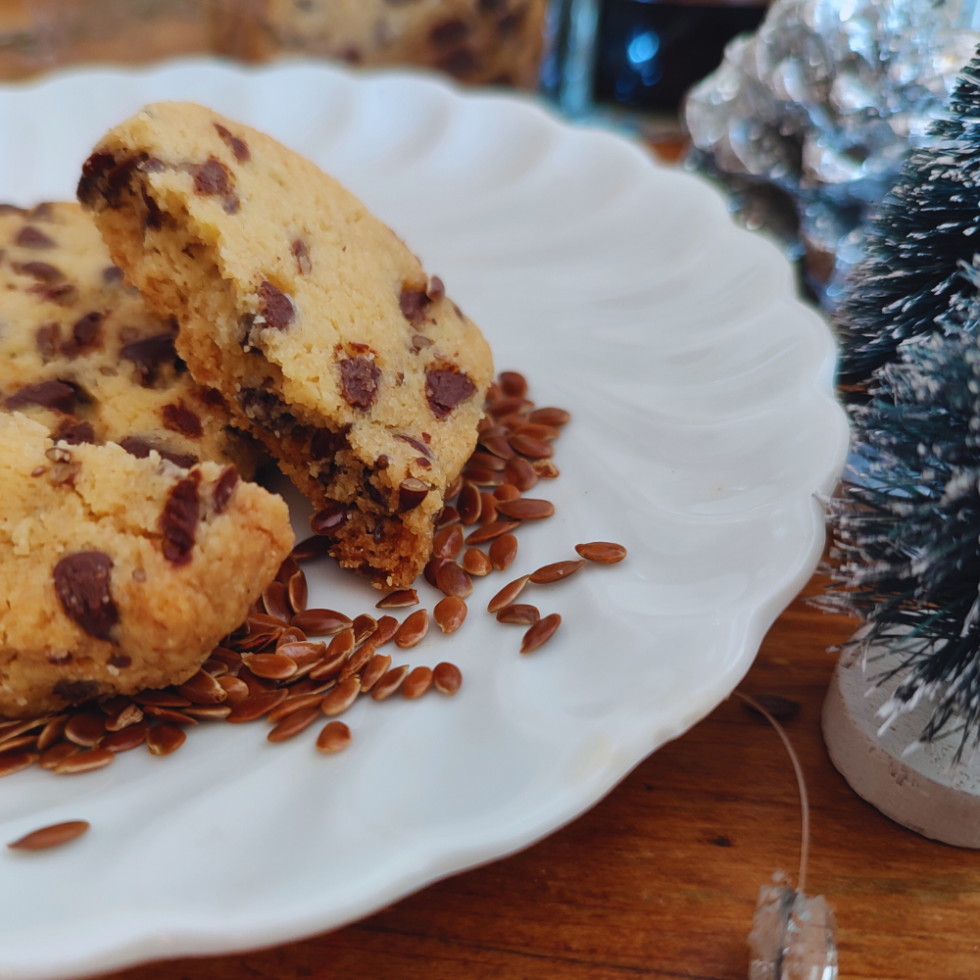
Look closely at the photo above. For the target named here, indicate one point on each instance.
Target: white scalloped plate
(704, 425)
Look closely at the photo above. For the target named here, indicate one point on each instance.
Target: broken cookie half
(312, 318)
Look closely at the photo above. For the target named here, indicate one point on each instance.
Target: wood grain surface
(660, 878)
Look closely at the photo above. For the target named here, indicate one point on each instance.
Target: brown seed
(454, 488)
(264, 623)
(447, 678)
(275, 599)
(298, 592)
(124, 740)
(482, 477)
(204, 712)
(17, 728)
(555, 572)
(603, 552)
(411, 493)
(488, 509)
(55, 755)
(53, 836)
(448, 515)
(170, 715)
(417, 683)
(506, 491)
(550, 416)
(18, 743)
(494, 394)
(164, 739)
(448, 542)
(503, 551)
(235, 689)
(485, 461)
(293, 724)
(390, 682)
(258, 641)
(341, 697)
(256, 685)
(161, 699)
(329, 520)
(452, 580)
(449, 613)
(202, 688)
(271, 666)
(216, 668)
(536, 430)
(539, 634)
(374, 670)
(518, 614)
(514, 421)
(321, 622)
(85, 761)
(512, 384)
(256, 706)
(311, 549)
(364, 626)
(127, 715)
(85, 729)
(51, 733)
(520, 474)
(475, 562)
(469, 504)
(526, 509)
(412, 630)
(490, 531)
(387, 628)
(508, 593)
(287, 570)
(335, 659)
(234, 660)
(356, 662)
(400, 599)
(304, 652)
(334, 738)
(545, 469)
(431, 570)
(508, 406)
(496, 444)
(291, 704)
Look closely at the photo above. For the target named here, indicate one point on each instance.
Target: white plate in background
(704, 425)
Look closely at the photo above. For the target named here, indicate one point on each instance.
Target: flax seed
(400, 599)
(603, 552)
(171, 715)
(53, 836)
(506, 491)
(520, 473)
(411, 632)
(51, 733)
(298, 591)
(364, 626)
(235, 689)
(293, 724)
(448, 542)
(163, 740)
(54, 756)
(390, 682)
(374, 670)
(341, 697)
(475, 562)
(449, 614)
(202, 688)
(85, 729)
(545, 469)
(387, 628)
(537, 430)
(275, 599)
(335, 737)
(124, 740)
(469, 504)
(321, 622)
(452, 580)
(539, 634)
(447, 678)
(256, 706)
(518, 614)
(503, 551)
(508, 594)
(490, 531)
(512, 384)
(555, 572)
(488, 508)
(85, 761)
(448, 516)
(417, 683)
(204, 712)
(128, 715)
(271, 666)
(311, 549)
(550, 416)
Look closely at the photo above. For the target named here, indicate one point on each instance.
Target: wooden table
(660, 878)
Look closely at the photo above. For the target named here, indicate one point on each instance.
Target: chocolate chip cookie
(313, 319)
(120, 573)
(82, 353)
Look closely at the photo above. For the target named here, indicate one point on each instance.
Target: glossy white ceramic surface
(704, 425)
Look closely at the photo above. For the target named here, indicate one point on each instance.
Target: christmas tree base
(926, 791)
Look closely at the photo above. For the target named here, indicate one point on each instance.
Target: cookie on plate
(495, 42)
(316, 322)
(120, 573)
(81, 353)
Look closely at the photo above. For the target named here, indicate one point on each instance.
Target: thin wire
(804, 802)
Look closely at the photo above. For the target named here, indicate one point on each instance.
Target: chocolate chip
(31, 237)
(415, 444)
(55, 395)
(449, 32)
(211, 178)
(179, 418)
(42, 271)
(75, 433)
(152, 215)
(91, 185)
(376, 494)
(423, 462)
(224, 488)
(381, 462)
(419, 342)
(445, 389)
(413, 303)
(112, 274)
(65, 294)
(42, 212)
(149, 354)
(238, 147)
(411, 493)
(178, 522)
(326, 444)
(47, 340)
(86, 335)
(302, 255)
(232, 204)
(276, 306)
(328, 520)
(11, 209)
(75, 692)
(437, 289)
(120, 660)
(81, 581)
(141, 448)
(359, 379)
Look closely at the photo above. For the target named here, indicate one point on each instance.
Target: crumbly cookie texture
(82, 353)
(312, 317)
(496, 42)
(120, 573)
